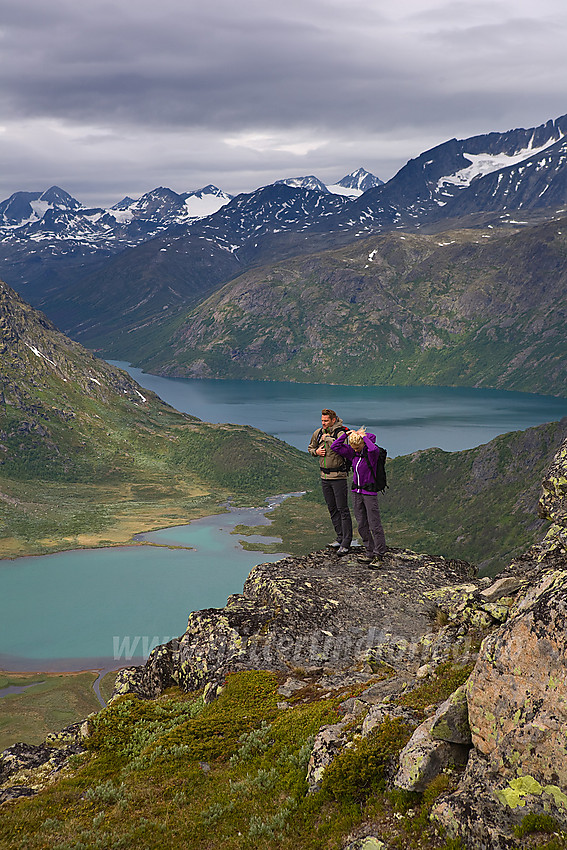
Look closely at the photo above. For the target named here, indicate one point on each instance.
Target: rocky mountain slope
(499, 172)
(496, 178)
(48, 239)
(427, 707)
(105, 450)
(464, 307)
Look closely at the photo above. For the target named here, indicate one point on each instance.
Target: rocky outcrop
(316, 611)
(27, 768)
(517, 695)
(442, 742)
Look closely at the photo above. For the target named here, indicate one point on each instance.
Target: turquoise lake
(109, 607)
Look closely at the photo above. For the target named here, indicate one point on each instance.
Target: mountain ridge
(499, 180)
(467, 307)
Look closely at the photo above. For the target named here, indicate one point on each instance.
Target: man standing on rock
(334, 474)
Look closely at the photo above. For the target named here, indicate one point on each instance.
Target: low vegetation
(174, 772)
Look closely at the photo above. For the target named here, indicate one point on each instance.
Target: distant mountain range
(122, 280)
(55, 214)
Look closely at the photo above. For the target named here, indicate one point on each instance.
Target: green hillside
(89, 457)
(477, 307)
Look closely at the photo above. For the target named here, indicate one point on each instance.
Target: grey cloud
(135, 89)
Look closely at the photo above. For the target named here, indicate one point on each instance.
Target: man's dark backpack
(379, 474)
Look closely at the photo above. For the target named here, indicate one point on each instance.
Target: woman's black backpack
(379, 474)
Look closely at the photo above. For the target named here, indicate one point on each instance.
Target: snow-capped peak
(355, 184)
(206, 201)
(309, 182)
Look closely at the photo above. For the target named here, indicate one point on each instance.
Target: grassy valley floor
(44, 517)
(49, 702)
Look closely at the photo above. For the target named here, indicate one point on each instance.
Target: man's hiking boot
(343, 550)
(334, 545)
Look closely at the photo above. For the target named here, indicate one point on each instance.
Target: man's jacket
(331, 464)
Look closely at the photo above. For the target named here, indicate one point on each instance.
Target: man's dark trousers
(335, 492)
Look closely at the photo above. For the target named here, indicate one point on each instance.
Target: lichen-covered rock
(301, 612)
(378, 714)
(331, 739)
(517, 697)
(506, 586)
(27, 768)
(553, 501)
(451, 720)
(518, 689)
(424, 757)
(328, 742)
(369, 842)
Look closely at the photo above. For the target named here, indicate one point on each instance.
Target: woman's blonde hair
(355, 441)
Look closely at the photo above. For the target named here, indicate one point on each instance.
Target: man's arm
(314, 444)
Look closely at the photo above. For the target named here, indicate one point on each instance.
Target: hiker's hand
(320, 451)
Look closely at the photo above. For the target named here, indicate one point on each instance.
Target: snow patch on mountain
(337, 189)
(38, 353)
(485, 163)
(309, 182)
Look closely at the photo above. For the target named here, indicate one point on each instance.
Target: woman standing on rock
(360, 448)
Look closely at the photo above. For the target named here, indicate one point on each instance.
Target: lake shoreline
(126, 641)
(133, 542)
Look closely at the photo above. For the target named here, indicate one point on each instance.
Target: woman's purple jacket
(364, 477)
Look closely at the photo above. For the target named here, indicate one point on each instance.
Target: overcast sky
(107, 98)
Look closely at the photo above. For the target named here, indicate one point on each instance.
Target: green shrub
(361, 769)
(106, 792)
(537, 822)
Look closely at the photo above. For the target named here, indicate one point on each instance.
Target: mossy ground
(173, 772)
